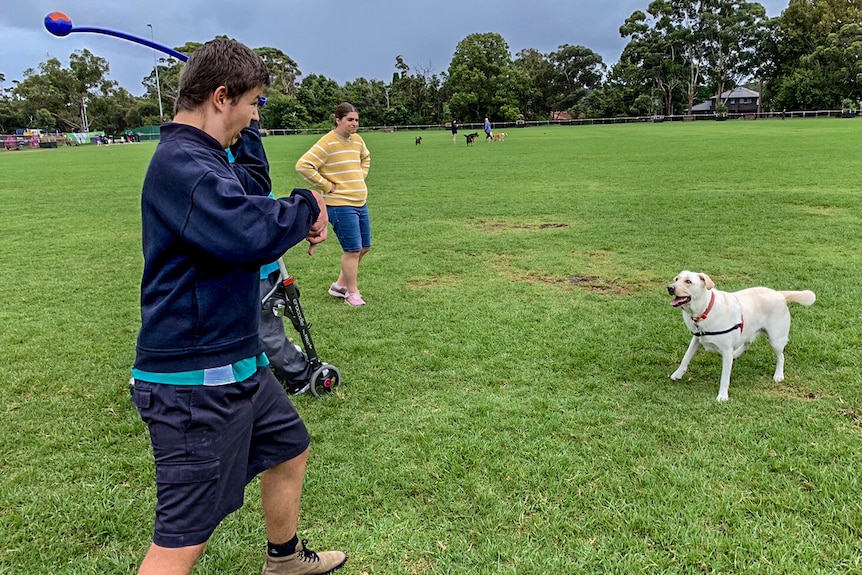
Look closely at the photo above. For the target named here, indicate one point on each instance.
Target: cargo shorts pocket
(188, 508)
(187, 472)
(141, 397)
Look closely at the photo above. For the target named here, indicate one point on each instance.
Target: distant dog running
(418, 140)
(501, 137)
(471, 137)
(728, 323)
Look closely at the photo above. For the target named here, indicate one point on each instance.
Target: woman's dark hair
(343, 109)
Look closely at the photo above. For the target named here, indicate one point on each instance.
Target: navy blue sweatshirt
(204, 240)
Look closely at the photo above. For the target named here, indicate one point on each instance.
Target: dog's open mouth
(678, 301)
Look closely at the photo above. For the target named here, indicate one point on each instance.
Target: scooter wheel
(324, 380)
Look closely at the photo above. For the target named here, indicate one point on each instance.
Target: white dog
(728, 323)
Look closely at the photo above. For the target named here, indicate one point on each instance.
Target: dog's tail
(805, 297)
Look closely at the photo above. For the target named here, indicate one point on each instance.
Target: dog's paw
(677, 375)
(722, 397)
(778, 377)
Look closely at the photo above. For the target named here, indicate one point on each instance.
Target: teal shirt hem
(233, 373)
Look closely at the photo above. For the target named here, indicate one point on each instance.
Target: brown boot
(304, 562)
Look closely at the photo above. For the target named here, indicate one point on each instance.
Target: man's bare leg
(170, 561)
(281, 491)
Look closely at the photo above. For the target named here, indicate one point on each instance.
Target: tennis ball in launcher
(58, 24)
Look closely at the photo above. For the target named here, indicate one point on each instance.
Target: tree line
(679, 53)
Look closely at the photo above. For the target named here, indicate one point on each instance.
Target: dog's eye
(688, 281)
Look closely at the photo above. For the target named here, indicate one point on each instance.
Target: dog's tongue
(678, 301)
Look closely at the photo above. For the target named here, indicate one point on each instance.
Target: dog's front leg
(726, 367)
(683, 366)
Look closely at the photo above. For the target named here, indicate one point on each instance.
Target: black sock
(283, 549)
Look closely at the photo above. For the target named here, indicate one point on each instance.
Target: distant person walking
(487, 130)
(337, 166)
(454, 131)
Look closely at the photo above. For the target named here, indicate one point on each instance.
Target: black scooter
(285, 302)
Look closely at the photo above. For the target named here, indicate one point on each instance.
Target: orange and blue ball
(58, 24)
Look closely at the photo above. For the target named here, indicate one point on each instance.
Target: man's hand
(320, 227)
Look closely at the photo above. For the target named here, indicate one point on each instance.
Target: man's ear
(220, 99)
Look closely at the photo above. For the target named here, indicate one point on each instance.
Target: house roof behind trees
(738, 92)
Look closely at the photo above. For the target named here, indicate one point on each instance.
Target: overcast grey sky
(337, 39)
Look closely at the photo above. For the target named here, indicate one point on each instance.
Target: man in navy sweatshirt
(216, 414)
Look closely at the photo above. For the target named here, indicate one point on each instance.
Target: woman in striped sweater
(337, 166)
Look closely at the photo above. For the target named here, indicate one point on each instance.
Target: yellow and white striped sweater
(341, 161)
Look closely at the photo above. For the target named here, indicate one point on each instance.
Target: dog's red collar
(705, 313)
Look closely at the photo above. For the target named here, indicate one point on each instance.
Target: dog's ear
(707, 281)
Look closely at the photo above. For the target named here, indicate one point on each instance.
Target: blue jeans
(352, 226)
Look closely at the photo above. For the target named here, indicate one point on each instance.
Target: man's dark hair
(219, 62)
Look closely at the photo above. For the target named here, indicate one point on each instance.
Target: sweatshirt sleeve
(365, 159)
(227, 224)
(251, 165)
(309, 166)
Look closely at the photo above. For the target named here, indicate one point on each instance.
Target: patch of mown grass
(506, 405)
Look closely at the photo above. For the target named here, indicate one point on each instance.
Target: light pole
(85, 121)
(156, 66)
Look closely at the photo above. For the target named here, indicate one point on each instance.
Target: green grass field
(506, 405)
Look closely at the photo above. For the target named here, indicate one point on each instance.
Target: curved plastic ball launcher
(58, 24)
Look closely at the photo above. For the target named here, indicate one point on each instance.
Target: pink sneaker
(354, 299)
(336, 290)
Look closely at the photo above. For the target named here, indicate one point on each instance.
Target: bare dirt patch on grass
(590, 283)
(505, 226)
(852, 415)
(820, 210)
(786, 390)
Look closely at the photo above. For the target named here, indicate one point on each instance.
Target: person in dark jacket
(287, 360)
(216, 414)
